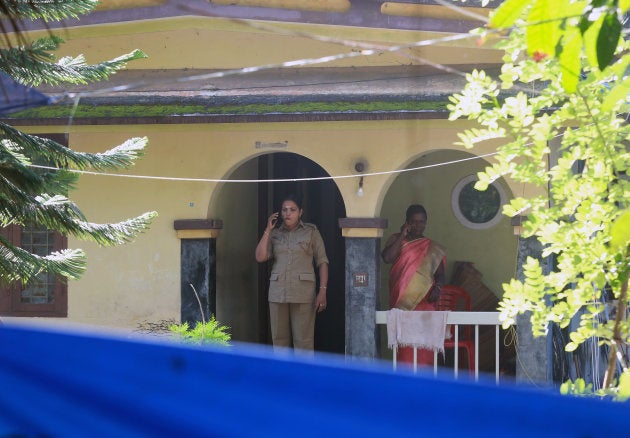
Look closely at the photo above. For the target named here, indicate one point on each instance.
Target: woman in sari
(417, 274)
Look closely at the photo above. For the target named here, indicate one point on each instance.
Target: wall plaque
(271, 145)
(361, 279)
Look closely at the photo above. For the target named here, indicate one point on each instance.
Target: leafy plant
(558, 111)
(210, 332)
(618, 391)
(577, 387)
(36, 173)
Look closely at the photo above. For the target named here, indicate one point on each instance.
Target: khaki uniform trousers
(293, 322)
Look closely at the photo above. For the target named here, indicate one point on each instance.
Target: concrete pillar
(363, 278)
(534, 354)
(198, 268)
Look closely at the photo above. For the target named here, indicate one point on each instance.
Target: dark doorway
(323, 206)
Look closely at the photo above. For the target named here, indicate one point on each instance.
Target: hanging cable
(215, 180)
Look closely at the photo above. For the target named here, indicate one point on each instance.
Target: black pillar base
(198, 269)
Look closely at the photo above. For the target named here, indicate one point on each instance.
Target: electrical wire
(215, 180)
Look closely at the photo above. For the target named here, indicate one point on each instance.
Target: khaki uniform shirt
(292, 277)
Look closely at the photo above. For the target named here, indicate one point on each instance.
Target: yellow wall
(237, 281)
(215, 43)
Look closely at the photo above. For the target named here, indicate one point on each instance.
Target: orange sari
(411, 278)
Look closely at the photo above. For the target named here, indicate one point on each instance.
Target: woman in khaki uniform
(296, 247)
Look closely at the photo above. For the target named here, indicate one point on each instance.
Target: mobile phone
(278, 221)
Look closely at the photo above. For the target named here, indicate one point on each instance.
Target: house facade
(342, 102)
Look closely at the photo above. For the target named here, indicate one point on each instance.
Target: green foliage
(619, 392)
(42, 69)
(563, 129)
(49, 10)
(623, 389)
(210, 332)
(621, 231)
(578, 387)
(560, 28)
(36, 173)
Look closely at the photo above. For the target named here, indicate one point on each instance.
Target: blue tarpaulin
(16, 97)
(74, 384)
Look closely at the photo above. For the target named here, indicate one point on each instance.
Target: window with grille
(45, 295)
(41, 242)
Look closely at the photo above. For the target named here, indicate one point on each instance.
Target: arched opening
(242, 283)
(486, 249)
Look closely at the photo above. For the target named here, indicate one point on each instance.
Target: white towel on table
(420, 328)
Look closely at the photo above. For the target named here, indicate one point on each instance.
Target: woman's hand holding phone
(273, 221)
(404, 229)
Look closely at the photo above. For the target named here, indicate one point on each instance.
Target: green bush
(210, 332)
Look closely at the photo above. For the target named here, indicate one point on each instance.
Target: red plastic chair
(450, 296)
